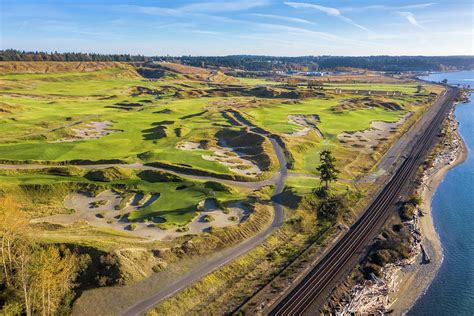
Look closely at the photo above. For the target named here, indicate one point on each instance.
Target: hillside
(48, 67)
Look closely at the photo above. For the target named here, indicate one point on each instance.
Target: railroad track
(324, 275)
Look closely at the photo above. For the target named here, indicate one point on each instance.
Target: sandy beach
(414, 279)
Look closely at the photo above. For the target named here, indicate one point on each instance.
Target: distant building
(314, 74)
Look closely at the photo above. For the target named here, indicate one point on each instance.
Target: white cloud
(153, 10)
(388, 8)
(207, 32)
(283, 18)
(410, 17)
(228, 6)
(302, 5)
(195, 8)
(327, 10)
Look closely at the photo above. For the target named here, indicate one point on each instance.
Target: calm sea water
(452, 290)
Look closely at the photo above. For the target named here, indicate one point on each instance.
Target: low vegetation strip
(198, 172)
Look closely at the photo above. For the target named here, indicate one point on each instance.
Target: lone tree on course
(327, 169)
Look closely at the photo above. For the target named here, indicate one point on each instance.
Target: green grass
(409, 88)
(49, 103)
(275, 116)
(48, 107)
(177, 201)
(179, 206)
(52, 102)
(258, 81)
(306, 185)
(305, 150)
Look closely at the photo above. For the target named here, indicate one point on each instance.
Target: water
(452, 290)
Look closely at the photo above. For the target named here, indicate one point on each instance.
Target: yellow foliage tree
(37, 278)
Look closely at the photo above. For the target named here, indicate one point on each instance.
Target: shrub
(208, 218)
(382, 257)
(131, 227)
(97, 204)
(182, 229)
(415, 200)
(407, 212)
(372, 268)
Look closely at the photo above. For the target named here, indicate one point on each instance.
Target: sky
(257, 27)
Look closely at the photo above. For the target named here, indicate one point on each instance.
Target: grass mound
(216, 186)
(157, 131)
(109, 174)
(158, 176)
(150, 73)
(140, 90)
(65, 171)
(6, 108)
(366, 103)
(154, 133)
(250, 144)
(125, 106)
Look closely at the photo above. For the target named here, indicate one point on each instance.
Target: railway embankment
(399, 284)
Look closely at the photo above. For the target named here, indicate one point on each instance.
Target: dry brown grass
(33, 67)
(199, 73)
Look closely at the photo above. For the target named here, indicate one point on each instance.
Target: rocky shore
(404, 282)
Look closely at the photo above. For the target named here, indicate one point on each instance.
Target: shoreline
(414, 279)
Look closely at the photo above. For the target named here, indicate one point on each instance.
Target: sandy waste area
(229, 157)
(105, 215)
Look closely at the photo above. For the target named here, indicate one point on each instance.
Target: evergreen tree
(327, 169)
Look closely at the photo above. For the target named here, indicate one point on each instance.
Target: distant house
(314, 74)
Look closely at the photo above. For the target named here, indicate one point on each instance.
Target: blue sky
(270, 27)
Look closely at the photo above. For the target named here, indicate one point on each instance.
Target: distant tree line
(16, 55)
(376, 63)
(266, 63)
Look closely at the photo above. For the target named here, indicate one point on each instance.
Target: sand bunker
(368, 139)
(189, 146)
(100, 211)
(227, 156)
(308, 122)
(92, 130)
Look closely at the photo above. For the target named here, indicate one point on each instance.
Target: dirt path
(278, 180)
(230, 254)
(227, 256)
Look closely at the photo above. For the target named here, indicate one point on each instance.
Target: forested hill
(377, 63)
(17, 55)
(267, 63)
